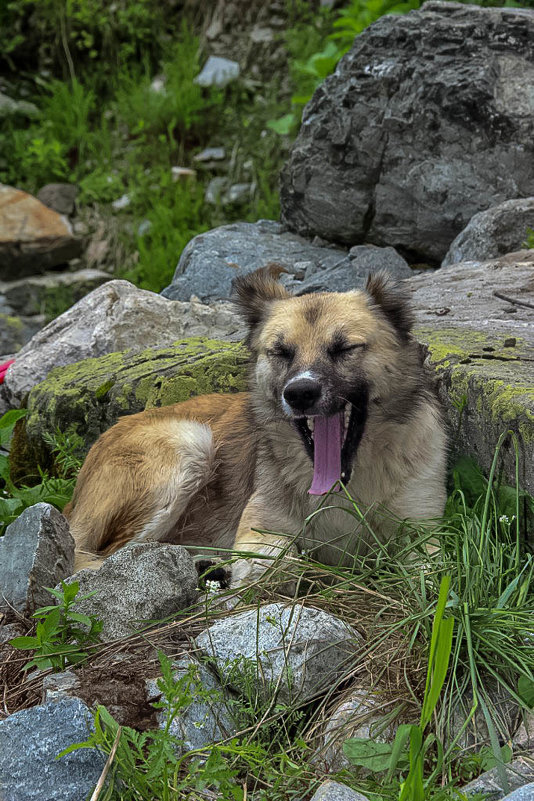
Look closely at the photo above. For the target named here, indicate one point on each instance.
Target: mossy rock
(90, 396)
(486, 383)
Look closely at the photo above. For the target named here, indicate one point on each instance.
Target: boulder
(114, 317)
(489, 234)
(36, 551)
(206, 719)
(480, 340)
(294, 651)
(33, 238)
(91, 395)
(211, 261)
(29, 744)
(142, 582)
(425, 122)
(59, 197)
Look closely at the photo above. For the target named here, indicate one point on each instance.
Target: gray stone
(212, 260)
(352, 273)
(29, 744)
(426, 121)
(480, 347)
(36, 551)
(206, 720)
(524, 737)
(139, 583)
(334, 791)
(297, 650)
(518, 773)
(361, 715)
(218, 71)
(238, 194)
(60, 197)
(215, 191)
(58, 686)
(493, 233)
(525, 793)
(211, 154)
(31, 295)
(115, 317)
(12, 108)
(33, 238)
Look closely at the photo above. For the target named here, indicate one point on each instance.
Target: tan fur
(200, 471)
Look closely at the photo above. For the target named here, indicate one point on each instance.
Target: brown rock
(33, 238)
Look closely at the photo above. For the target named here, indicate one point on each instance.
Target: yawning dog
(338, 394)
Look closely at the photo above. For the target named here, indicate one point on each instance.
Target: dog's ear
(253, 293)
(392, 300)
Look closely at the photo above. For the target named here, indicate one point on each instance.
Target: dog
(339, 396)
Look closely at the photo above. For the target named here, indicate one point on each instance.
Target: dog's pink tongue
(328, 438)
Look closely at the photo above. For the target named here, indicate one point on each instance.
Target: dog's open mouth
(331, 443)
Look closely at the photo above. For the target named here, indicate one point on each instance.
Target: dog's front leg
(259, 518)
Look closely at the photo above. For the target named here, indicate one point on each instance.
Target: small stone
(510, 342)
(334, 791)
(59, 197)
(215, 190)
(29, 744)
(211, 154)
(122, 202)
(261, 34)
(238, 194)
(144, 227)
(519, 772)
(300, 650)
(525, 793)
(36, 551)
(183, 174)
(141, 582)
(58, 686)
(218, 71)
(207, 719)
(158, 84)
(12, 108)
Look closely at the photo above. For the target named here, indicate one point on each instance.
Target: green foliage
(54, 490)
(61, 633)
(529, 239)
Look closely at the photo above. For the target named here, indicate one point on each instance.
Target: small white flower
(504, 519)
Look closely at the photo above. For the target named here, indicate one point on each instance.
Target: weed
(529, 239)
(61, 633)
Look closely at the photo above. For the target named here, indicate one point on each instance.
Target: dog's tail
(138, 486)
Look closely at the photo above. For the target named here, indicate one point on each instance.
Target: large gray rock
(299, 651)
(425, 122)
(33, 238)
(29, 744)
(204, 721)
(493, 233)
(36, 551)
(141, 582)
(481, 346)
(115, 317)
(212, 260)
(334, 791)
(352, 273)
(518, 773)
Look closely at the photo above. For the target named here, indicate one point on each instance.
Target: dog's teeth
(311, 423)
(347, 416)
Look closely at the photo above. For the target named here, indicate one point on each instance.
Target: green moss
(104, 388)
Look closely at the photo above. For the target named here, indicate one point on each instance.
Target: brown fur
(208, 471)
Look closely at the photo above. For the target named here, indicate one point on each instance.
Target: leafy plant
(529, 239)
(61, 633)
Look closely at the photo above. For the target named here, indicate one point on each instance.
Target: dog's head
(326, 362)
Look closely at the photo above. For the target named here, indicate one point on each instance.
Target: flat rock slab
(115, 317)
(36, 551)
(481, 348)
(91, 395)
(141, 582)
(30, 295)
(294, 651)
(426, 121)
(29, 744)
(33, 237)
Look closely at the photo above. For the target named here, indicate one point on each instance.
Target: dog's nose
(302, 394)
